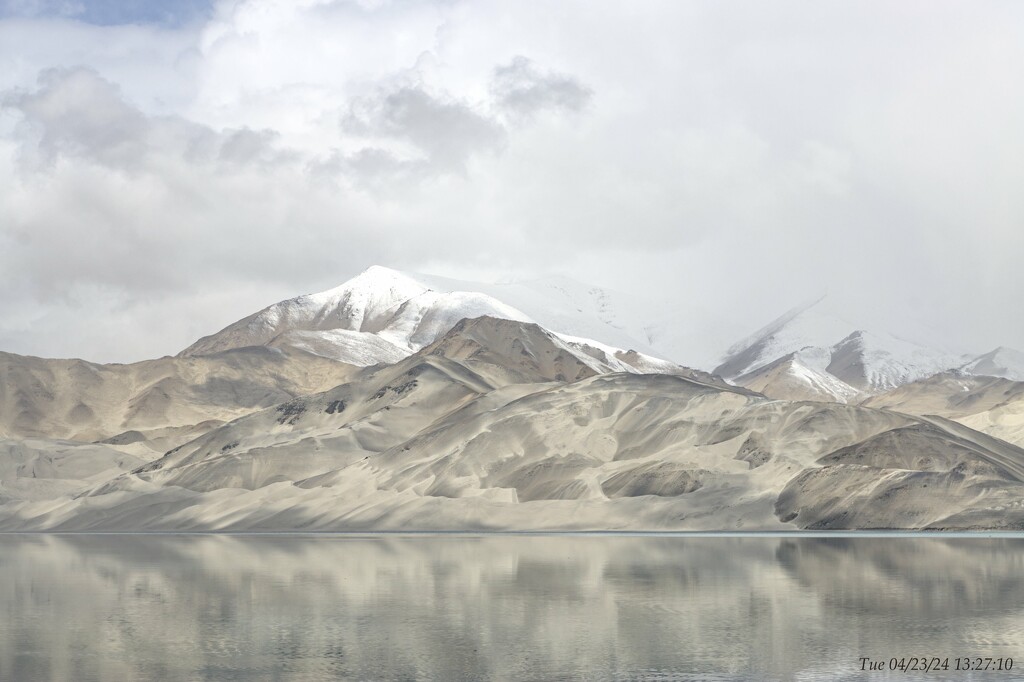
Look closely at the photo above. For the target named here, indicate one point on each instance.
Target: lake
(508, 607)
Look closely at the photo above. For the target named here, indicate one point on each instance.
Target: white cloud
(734, 157)
(443, 131)
(523, 90)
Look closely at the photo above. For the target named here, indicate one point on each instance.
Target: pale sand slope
(501, 351)
(1005, 422)
(36, 469)
(496, 426)
(148, 407)
(993, 405)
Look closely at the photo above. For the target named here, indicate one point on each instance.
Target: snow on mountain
(879, 361)
(1001, 362)
(795, 330)
(828, 348)
(800, 376)
(378, 316)
(383, 315)
(354, 348)
(569, 307)
(659, 324)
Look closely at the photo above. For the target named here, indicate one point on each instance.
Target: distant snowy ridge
(825, 354)
(1006, 363)
(811, 352)
(799, 376)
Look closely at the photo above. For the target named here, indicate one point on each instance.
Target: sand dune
(167, 400)
(993, 405)
(35, 469)
(502, 425)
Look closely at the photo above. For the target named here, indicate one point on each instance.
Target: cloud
(104, 196)
(444, 132)
(733, 157)
(522, 90)
(76, 114)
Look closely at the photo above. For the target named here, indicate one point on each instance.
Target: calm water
(504, 608)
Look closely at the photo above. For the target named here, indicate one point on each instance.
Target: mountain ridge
(447, 420)
(835, 358)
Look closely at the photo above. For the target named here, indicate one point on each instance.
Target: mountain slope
(36, 469)
(989, 404)
(799, 376)
(612, 451)
(928, 474)
(156, 401)
(382, 406)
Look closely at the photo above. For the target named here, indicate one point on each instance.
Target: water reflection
(507, 608)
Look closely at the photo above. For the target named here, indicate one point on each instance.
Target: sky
(169, 168)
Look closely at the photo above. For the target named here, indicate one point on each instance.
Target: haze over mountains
(405, 401)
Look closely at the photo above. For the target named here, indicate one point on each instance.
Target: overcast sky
(167, 168)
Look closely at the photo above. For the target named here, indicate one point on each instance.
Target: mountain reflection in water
(501, 607)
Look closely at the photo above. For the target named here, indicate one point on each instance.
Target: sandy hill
(156, 402)
(500, 425)
(990, 404)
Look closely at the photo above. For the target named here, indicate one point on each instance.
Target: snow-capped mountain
(380, 315)
(813, 349)
(1001, 362)
(468, 418)
(383, 315)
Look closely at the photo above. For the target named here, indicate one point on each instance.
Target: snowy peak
(830, 353)
(366, 320)
(383, 315)
(879, 362)
(1003, 362)
(363, 302)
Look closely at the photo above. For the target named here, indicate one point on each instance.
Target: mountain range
(402, 401)
(813, 352)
